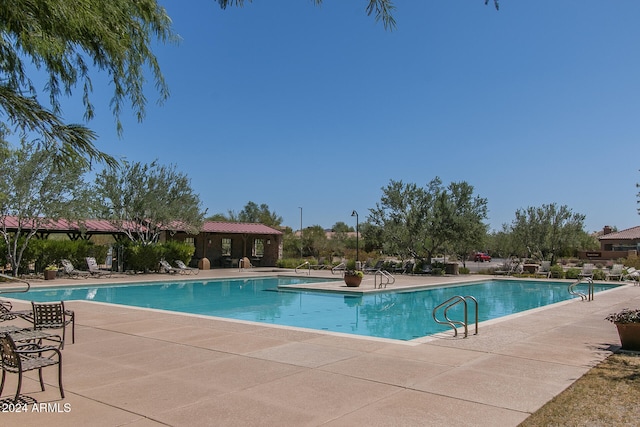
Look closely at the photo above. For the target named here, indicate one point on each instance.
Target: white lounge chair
(184, 269)
(587, 271)
(615, 272)
(545, 269)
(166, 267)
(632, 274)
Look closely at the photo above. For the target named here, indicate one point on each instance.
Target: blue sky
(294, 105)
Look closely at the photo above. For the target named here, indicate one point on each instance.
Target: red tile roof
(632, 233)
(238, 228)
(104, 226)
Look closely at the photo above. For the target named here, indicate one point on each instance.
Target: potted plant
(353, 278)
(50, 272)
(628, 323)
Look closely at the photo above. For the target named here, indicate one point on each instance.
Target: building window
(190, 241)
(226, 247)
(258, 248)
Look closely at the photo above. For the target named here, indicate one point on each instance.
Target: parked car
(481, 257)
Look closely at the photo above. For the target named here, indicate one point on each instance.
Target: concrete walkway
(139, 367)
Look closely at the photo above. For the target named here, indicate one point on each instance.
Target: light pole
(300, 207)
(355, 213)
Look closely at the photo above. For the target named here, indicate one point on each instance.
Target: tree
(66, 41)
(548, 231)
(260, 214)
(419, 222)
(34, 193)
(142, 200)
(314, 241)
(469, 230)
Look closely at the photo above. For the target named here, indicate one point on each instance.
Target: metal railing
(302, 265)
(386, 278)
(14, 279)
(340, 268)
(583, 297)
(455, 324)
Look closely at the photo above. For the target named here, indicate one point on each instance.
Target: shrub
(464, 270)
(557, 272)
(599, 275)
(572, 273)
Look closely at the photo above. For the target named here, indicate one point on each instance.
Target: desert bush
(599, 275)
(557, 272)
(572, 273)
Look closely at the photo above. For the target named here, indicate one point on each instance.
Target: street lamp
(354, 213)
(300, 207)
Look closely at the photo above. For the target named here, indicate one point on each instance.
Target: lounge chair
(186, 270)
(632, 274)
(373, 269)
(165, 267)
(545, 269)
(587, 271)
(615, 273)
(510, 267)
(7, 312)
(17, 359)
(71, 271)
(94, 270)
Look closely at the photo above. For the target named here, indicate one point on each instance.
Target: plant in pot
(50, 272)
(628, 323)
(353, 278)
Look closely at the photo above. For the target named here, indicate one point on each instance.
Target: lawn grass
(607, 395)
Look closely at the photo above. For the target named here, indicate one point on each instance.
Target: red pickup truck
(481, 257)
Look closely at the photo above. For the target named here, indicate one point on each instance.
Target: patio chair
(375, 268)
(7, 312)
(632, 274)
(587, 271)
(545, 269)
(70, 270)
(95, 270)
(54, 316)
(186, 270)
(615, 272)
(165, 267)
(17, 359)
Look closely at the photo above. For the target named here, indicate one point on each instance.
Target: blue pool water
(402, 315)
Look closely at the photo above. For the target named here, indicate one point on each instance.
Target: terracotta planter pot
(352, 281)
(50, 274)
(629, 335)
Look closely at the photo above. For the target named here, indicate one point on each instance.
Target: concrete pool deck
(142, 367)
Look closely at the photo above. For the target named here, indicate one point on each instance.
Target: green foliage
(36, 191)
(557, 272)
(420, 222)
(599, 275)
(141, 200)
(65, 40)
(572, 273)
(172, 250)
(140, 257)
(464, 270)
(548, 231)
(42, 253)
(626, 315)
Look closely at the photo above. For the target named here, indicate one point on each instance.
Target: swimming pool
(401, 315)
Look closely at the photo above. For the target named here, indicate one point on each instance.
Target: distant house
(222, 243)
(615, 244)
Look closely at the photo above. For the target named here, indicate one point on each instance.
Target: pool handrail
(15, 279)
(454, 300)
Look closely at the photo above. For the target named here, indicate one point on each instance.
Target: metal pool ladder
(386, 278)
(457, 323)
(582, 296)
